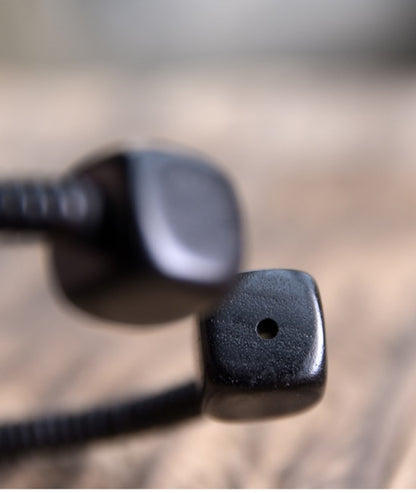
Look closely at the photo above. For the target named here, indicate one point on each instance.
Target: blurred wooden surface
(324, 163)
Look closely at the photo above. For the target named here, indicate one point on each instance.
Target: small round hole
(267, 328)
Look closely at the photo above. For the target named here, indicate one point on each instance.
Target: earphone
(138, 236)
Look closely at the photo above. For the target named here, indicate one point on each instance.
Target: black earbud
(138, 236)
(263, 349)
(263, 355)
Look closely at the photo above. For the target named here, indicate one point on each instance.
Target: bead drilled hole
(267, 328)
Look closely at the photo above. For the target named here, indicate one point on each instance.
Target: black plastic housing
(170, 241)
(263, 349)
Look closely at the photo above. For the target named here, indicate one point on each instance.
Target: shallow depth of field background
(311, 110)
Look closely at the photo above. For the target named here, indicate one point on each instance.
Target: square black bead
(263, 349)
(169, 240)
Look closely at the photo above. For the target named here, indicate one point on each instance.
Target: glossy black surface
(169, 244)
(263, 349)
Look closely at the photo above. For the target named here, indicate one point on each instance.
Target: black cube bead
(263, 349)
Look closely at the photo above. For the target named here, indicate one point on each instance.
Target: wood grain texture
(324, 163)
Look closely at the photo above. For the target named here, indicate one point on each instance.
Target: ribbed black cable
(74, 206)
(144, 413)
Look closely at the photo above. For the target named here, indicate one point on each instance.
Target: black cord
(71, 206)
(144, 413)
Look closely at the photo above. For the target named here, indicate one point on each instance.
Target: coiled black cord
(166, 408)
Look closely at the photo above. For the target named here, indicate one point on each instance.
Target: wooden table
(324, 164)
